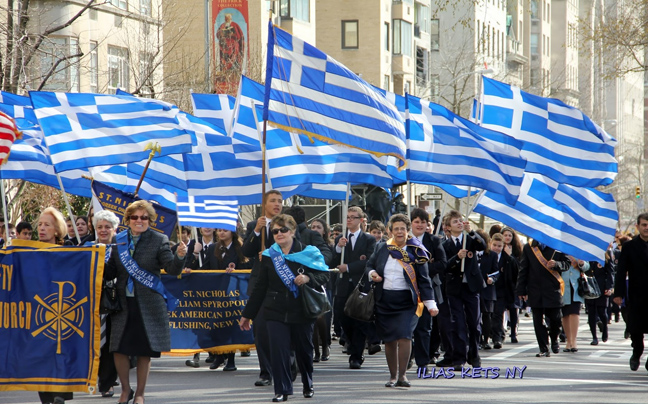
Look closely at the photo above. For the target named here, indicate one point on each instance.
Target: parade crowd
(443, 290)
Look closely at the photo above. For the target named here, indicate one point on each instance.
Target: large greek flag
(446, 148)
(310, 93)
(560, 142)
(85, 130)
(577, 221)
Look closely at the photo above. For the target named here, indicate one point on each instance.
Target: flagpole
(194, 233)
(67, 205)
(465, 234)
(153, 148)
(4, 213)
(409, 198)
(444, 204)
(263, 181)
(345, 212)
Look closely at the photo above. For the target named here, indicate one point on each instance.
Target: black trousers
(553, 316)
(355, 332)
(466, 330)
(595, 311)
(107, 371)
(262, 342)
(421, 342)
(282, 338)
(445, 329)
(499, 332)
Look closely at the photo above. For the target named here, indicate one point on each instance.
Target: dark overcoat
(152, 253)
(633, 264)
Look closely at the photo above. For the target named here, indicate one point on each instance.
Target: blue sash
(141, 275)
(284, 272)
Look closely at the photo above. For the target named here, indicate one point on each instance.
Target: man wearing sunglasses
(358, 247)
(252, 248)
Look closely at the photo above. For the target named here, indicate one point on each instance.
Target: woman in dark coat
(605, 281)
(399, 270)
(142, 328)
(279, 298)
(225, 254)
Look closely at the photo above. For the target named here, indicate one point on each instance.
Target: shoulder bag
(588, 288)
(314, 301)
(109, 298)
(360, 305)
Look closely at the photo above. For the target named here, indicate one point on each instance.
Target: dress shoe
(458, 368)
(634, 363)
(444, 363)
(326, 353)
(192, 363)
(562, 337)
(279, 398)
(514, 340)
(108, 394)
(210, 358)
(59, 400)
(317, 358)
(217, 362)
(403, 383)
(487, 346)
(390, 384)
(574, 349)
(567, 350)
(594, 342)
(130, 397)
(555, 347)
(309, 393)
(263, 382)
(229, 368)
(497, 345)
(374, 349)
(245, 353)
(355, 365)
(543, 355)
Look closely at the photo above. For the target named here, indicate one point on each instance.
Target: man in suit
(463, 284)
(358, 247)
(540, 284)
(252, 247)
(631, 284)
(428, 325)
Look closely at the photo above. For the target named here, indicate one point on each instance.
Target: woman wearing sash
(52, 230)
(399, 270)
(285, 266)
(141, 329)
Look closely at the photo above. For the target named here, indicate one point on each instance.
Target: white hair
(107, 216)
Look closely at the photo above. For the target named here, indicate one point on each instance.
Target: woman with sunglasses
(286, 266)
(225, 254)
(141, 329)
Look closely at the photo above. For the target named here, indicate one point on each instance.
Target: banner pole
(345, 212)
(465, 234)
(69, 208)
(4, 213)
(153, 148)
(444, 204)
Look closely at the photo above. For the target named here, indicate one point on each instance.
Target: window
(434, 86)
(146, 71)
(402, 38)
(350, 34)
(297, 9)
(422, 66)
(421, 19)
(118, 66)
(57, 54)
(123, 4)
(534, 43)
(386, 81)
(434, 34)
(94, 67)
(145, 7)
(92, 13)
(386, 36)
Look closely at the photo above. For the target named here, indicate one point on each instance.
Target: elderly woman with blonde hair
(141, 329)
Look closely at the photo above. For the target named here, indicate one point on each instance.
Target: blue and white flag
(577, 221)
(560, 142)
(85, 130)
(446, 148)
(215, 109)
(458, 191)
(208, 211)
(310, 93)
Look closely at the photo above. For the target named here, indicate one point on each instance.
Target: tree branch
(54, 66)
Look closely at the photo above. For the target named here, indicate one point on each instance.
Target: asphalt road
(594, 374)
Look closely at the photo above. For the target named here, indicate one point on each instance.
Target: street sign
(435, 196)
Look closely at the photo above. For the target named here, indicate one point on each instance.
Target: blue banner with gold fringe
(49, 316)
(206, 319)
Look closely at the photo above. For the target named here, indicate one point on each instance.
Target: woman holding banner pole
(285, 266)
(141, 329)
(52, 230)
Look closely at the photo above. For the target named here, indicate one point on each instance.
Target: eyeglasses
(282, 230)
(353, 217)
(135, 217)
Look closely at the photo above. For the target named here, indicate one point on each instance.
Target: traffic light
(637, 191)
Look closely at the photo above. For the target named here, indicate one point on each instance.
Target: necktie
(458, 243)
(350, 241)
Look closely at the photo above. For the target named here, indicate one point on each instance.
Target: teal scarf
(309, 256)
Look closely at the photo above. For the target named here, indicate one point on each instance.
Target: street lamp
(482, 71)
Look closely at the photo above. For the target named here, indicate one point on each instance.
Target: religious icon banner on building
(229, 22)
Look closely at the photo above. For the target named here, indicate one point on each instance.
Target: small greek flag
(208, 211)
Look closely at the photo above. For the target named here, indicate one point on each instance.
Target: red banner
(229, 21)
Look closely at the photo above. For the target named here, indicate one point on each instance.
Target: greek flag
(310, 93)
(215, 109)
(85, 130)
(446, 148)
(577, 221)
(208, 211)
(560, 142)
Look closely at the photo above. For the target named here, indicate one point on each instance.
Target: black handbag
(361, 305)
(109, 302)
(588, 288)
(314, 301)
